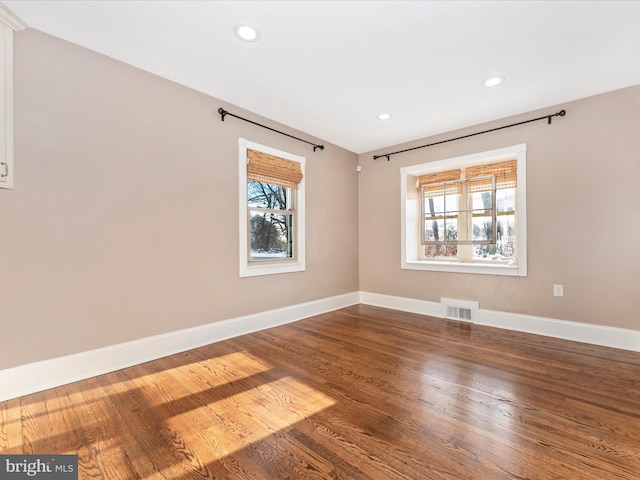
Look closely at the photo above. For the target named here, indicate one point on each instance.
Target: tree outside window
(271, 221)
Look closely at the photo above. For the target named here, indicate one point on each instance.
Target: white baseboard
(622, 338)
(38, 376)
(615, 337)
(423, 307)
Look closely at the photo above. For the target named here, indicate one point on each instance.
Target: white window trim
(252, 269)
(8, 24)
(410, 212)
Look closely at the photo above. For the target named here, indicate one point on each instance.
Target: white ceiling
(328, 68)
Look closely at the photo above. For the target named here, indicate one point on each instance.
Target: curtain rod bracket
(561, 113)
(223, 113)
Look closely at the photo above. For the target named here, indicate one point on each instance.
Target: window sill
(260, 268)
(477, 268)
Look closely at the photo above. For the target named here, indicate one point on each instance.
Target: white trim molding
(412, 305)
(38, 376)
(11, 20)
(614, 337)
(602, 335)
(8, 24)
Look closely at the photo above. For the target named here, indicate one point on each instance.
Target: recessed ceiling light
(384, 116)
(246, 33)
(493, 81)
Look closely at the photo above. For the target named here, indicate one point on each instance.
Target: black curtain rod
(561, 113)
(223, 113)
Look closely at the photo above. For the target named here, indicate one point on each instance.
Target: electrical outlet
(558, 290)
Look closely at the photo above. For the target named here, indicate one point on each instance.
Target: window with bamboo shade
(471, 213)
(272, 210)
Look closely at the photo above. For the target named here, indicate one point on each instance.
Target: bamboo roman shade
(262, 167)
(438, 178)
(505, 173)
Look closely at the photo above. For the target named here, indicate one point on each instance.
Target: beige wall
(124, 220)
(583, 222)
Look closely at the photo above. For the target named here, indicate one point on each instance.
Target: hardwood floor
(360, 393)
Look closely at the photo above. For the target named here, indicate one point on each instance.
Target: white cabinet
(8, 23)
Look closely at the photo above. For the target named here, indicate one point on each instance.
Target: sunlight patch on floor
(252, 415)
(202, 376)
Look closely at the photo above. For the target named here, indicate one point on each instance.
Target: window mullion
(274, 211)
(464, 224)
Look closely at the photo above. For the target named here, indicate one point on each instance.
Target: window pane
(433, 205)
(506, 200)
(436, 204)
(505, 245)
(433, 230)
(441, 213)
(441, 229)
(482, 228)
(451, 203)
(266, 195)
(271, 235)
(482, 201)
(504, 249)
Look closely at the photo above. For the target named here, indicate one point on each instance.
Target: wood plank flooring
(359, 393)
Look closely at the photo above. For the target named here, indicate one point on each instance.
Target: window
(466, 214)
(271, 210)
